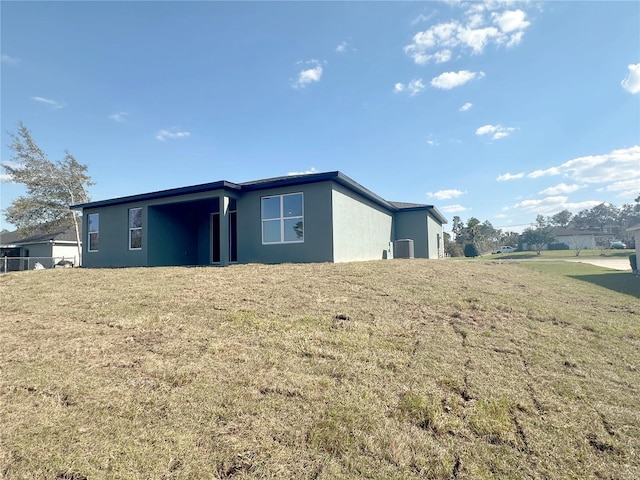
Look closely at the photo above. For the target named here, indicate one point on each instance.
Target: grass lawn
(561, 254)
(617, 281)
(388, 369)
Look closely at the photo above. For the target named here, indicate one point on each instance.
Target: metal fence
(15, 264)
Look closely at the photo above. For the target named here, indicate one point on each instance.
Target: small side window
(135, 228)
(93, 220)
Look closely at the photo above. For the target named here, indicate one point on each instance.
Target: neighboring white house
(635, 232)
(19, 252)
(583, 239)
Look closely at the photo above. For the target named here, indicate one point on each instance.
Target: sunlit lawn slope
(389, 369)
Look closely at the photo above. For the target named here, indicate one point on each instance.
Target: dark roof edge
(436, 213)
(430, 208)
(222, 184)
(276, 182)
(355, 186)
(308, 178)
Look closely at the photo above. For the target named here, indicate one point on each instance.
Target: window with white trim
(282, 218)
(135, 228)
(93, 220)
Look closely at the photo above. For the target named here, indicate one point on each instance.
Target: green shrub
(470, 250)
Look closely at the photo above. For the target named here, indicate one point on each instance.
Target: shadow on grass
(514, 256)
(623, 282)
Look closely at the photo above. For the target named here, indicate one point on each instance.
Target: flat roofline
(172, 192)
(267, 183)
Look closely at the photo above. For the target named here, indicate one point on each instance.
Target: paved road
(612, 263)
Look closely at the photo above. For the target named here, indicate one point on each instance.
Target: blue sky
(496, 110)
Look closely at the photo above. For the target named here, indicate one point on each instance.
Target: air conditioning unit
(403, 248)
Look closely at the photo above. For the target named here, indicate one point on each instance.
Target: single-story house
(45, 245)
(320, 217)
(635, 233)
(583, 239)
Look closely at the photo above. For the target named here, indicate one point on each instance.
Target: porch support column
(224, 230)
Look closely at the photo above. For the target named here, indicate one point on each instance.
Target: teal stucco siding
(174, 232)
(221, 222)
(113, 248)
(316, 246)
(423, 229)
(435, 240)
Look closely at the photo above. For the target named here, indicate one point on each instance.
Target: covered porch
(196, 232)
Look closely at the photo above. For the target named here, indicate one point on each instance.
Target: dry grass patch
(398, 369)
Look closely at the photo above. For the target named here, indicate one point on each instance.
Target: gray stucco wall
(317, 227)
(425, 231)
(435, 239)
(361, 229)
(413, 224)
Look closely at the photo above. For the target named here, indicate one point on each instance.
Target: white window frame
(89, 232)
(282, 219)
(131, 229)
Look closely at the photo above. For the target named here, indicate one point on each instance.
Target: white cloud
(422, 18)
(342, 47)
(515, 39)
(631, 82)
(442, 56)
(544, 173)
(48, 101)
(119, 117)
(618, 172)
(619, 165)
(554, 204)
(306, 172)
(477, 38)
(310, 75)
(501, 27)
(466, 107)
(509, 176)
(449, 80)
(5, 178)
(561, 188)
(414, 87)
(626, 188)
(172, 133)
(445, 194)
(454, 208)
(9, 59)
(510, 20)
(496, 131)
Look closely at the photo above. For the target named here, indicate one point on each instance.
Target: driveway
(612, 263)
